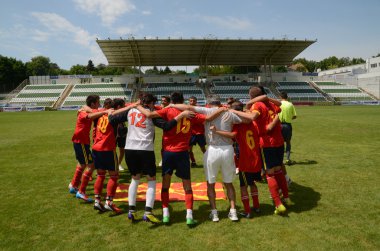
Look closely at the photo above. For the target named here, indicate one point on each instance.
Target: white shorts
(219, 157)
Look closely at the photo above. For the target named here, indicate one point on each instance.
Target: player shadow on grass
(305, 162)
(303, 198)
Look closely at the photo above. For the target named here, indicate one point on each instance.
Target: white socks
(150, 194)
(189, 213)
(132, 192)
(165, 211)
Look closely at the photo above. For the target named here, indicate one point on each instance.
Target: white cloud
(125, 31)
(40, 36)
(107, 10)
(146, 12)
(60, 27)
(231, 23)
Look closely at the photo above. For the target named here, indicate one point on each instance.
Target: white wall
(373, 65)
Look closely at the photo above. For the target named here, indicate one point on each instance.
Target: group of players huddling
(257, 132)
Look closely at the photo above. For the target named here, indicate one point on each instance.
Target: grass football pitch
(335, 192)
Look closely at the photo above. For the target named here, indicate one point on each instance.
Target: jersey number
(250, 139)
(139, 123)
(102, 124)
(183, 126)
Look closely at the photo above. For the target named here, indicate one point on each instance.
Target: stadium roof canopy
(188, 52)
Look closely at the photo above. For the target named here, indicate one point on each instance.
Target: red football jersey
(197, 129)
(95, 123)
(177, 139)
(82, 129)
(267, 112)
(247, 137)
(105, 138)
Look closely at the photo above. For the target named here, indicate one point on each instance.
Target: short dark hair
(213, 99)
(230, 100)
(148, 98)
(177, 98)
(237, 105)
(91, 99)
(255, 91)
(193, 97)
(108, 103)
(284, 95)
(118, 102)
(167, 98)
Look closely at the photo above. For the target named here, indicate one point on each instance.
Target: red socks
(98, 186)
(255, 198)
(165, 197)
(85, 179)
(281, 181)
(112, 185)
(77, 176)
(245, 200)
(273, 189)
(189, 199)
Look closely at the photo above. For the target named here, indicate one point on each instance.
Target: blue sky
(66, 30)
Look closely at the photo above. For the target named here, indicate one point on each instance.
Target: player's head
(284, 95)
(177, 98)
(193, 100)
(213, 100)
(118, 103)
(148, 99)
(229, 101)
(108, 103)
(165, 101)
(93, 101)
(256, 91)
(237, 105)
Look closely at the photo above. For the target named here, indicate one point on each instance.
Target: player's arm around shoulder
(223, 133)
(216, 113)
(247, 116)
(182, 107)
(168, 125)
(96, 115)
(149, 114)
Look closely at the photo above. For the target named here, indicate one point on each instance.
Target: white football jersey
(140, 132)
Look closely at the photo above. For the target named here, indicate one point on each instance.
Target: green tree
(90, 66)
(12, 73)
(167, 70)
(280, 68)
(152, 71)
(102, 69)
(78, 69)
(38, 66)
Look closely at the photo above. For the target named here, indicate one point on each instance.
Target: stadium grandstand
(165, 88)
(79, 93)
(69, 92)
(340, 92)
(38, 95)
(300, 91)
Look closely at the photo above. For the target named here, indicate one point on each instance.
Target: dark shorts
(178, 161)
(248, 179)
(272, 156)
(120, 141)
(83, 153)
(106, 160)
(286, 130)
(141, 162)
(198, 139)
